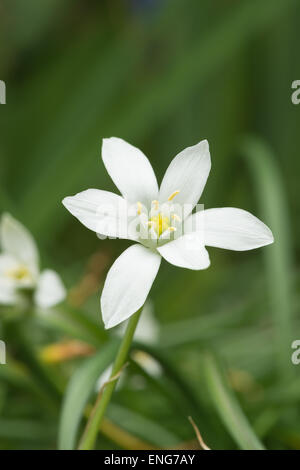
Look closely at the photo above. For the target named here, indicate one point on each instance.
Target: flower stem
(91, 430)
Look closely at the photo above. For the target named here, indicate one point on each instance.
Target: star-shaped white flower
(19, 268)
(160, 220)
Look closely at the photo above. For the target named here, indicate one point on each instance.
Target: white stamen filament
(176, 217)
(167, 232)
(155, 203)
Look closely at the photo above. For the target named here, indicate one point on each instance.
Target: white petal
(233, 229)
(50, 289)
(7, 264)
(187, 251)
(187, 173)
(128, 283)
(130, 170)
(8, 293)
(101, 211)
(17, 241)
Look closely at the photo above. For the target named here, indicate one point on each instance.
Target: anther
(176, 217)
(139, 208)
(170, 198)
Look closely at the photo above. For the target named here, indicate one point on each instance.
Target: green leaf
(79, 390)
(228, 407)
(142, 426)
(274, 209)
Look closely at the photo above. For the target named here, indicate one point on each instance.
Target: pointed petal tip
(108, 325)
(7, 218)
(203, 145)
(66, 200)
(130, 170)
(105, 140)
(270, 238)
(205, 148)
(110, 140)
(108, 321)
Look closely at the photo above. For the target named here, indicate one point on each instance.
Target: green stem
(91, 430)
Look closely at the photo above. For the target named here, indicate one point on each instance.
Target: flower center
(159, 223)
(19, 274)
(162, 220)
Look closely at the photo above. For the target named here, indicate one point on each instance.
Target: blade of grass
(123, 438)
(80, 388)
(273, 205)
(228, 408)
(142, 426)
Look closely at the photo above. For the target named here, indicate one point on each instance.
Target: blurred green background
(162, 74)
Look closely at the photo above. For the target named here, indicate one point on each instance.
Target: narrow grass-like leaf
(271, 199)
(80, 388)
(228, 407)
(142, 426)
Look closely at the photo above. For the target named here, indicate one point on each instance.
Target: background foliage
(163, 75)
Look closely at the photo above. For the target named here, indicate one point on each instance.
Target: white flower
(19, 268)
(160, 220)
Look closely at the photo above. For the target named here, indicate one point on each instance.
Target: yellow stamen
(172, 229)
(139, 208)
(176, 217)
(170, 198)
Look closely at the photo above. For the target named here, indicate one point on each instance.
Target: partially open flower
(160, 220)
(19, 268)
